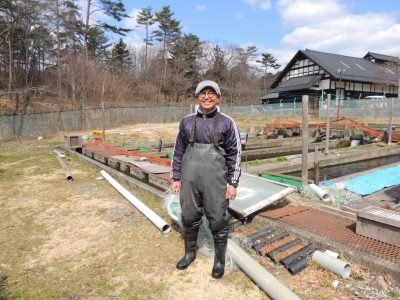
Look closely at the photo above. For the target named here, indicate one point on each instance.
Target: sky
(282, 27)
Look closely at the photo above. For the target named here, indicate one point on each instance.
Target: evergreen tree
(186, 53)
(168, 31)
(267, 60)
(120, 57)
(111, 8)
(97, 44)
(219, 66)
(146, 19)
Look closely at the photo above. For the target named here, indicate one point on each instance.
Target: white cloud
(200, 7)
(301, 12)
(138, 34)
(132, 21)
(239, 16)
(261, 4)
(327, 25)
(96, 16)
(265, 5)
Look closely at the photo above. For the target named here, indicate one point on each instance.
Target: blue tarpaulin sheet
(371, 183)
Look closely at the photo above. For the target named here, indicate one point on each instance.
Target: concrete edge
(136, 184)
(374, 263)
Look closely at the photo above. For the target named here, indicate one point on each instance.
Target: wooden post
(328, 123)
(103, 113)
(316, 166)
(390, 122)
(304, 134)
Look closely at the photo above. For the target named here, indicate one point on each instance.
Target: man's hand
(176, 187)
(230, 192)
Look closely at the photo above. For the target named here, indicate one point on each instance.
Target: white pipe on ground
(331, 253)
(68, 174)
(143, 208)
(324, 196)
(265, 280)
(330, 263)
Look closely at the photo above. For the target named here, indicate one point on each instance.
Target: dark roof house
(314, 73)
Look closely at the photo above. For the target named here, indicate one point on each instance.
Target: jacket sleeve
(233, 150)
(179, 150)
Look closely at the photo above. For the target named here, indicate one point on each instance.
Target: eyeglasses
(210, 94)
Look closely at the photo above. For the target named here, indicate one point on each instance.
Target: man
(205, 171)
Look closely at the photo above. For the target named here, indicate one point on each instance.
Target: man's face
(208, 100)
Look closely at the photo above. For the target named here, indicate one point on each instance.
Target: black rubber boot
(220, 243)
(191, 233)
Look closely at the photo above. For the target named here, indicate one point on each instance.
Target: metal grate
(341, 230)
(384, 214)
(284, 211)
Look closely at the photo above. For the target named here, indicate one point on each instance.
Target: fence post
(294, 107)
(316, 166)
(328, 123)
(304, 150)
(390, 122)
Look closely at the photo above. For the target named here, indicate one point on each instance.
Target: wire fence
(12, 127)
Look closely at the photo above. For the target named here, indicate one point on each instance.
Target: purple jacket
(229, 140)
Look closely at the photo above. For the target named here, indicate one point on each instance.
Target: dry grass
(82, 240)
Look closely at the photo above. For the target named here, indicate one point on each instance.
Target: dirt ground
(83, 240)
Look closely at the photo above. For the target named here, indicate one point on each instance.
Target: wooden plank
(113, 163)
(277, 244)
(281, 255)
(138, 174)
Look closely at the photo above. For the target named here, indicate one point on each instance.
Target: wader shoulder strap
(215, 128)
(193, 131)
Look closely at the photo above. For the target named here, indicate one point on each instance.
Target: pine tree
(186, 53)
(268, 60)
(111, 8)
(97, 44)
(146, 19)
(120, 56)
(168, 31)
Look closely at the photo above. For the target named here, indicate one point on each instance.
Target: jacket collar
(209, 115)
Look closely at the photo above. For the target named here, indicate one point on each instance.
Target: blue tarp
(371, 183)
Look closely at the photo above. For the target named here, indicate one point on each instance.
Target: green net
(205, 240)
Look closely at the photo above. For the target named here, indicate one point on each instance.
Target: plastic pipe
(331, 253)
(261, 233)
(298, 265)
(265, 280)
(330, 263)
(283, 248)
(151, 215)
(297, 255)
(64, 166)
(324, 196)
(259, 237)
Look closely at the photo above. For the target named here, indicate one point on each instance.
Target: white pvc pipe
(265, 280)
(151, 215)
(331, 253)
(330, 263)
(324, 196)
(68, 174)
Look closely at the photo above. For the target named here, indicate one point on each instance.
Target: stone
(380, 283)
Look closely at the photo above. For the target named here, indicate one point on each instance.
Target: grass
(258, 162)
(393, 294)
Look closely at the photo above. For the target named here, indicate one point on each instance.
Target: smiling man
(205, 172)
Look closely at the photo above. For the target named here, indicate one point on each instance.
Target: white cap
(207, 83)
